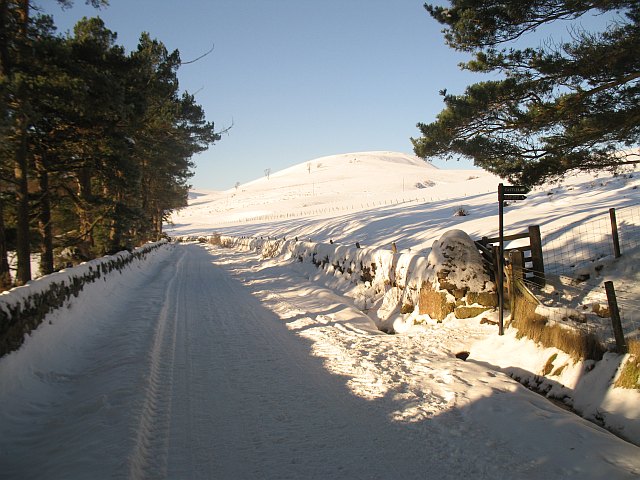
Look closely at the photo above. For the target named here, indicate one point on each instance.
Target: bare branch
(200, 57)
(226, 130)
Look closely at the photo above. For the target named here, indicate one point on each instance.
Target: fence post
(621, 344)
(516, 261)
(614, 232)
(497, 265)
(536, 255)
(495, 251)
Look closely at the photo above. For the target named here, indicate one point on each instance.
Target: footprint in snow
(324, 319)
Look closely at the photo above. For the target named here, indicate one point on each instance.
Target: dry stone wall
(452, 279)
(23, 308)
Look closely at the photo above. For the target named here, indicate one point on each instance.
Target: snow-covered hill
(326, 188)
(376, 198)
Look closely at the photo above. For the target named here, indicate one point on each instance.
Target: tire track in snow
(151, 445)
(71, 410)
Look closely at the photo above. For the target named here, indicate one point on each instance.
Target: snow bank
(388, 284)
(456, 253)
(23, 308)
(585, 386)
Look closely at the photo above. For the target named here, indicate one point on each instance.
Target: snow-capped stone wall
(452, 279)
(23, 308)
(460, 283)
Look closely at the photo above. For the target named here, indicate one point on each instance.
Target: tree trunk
(44, 219)
(157, 223)
(21, 167)
(5, 67)
(115, 235)
(5, 276)
(115, 221)
(84, 207)
(23, 246)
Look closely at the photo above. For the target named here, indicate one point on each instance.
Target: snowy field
(376, 198)
(207, 362)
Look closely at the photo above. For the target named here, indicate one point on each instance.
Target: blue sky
(299, 79)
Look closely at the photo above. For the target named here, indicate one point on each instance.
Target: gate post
(614, 233)
(516, 261)
(536, 255)
(616, 323)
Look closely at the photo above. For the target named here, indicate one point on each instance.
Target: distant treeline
(95, 143)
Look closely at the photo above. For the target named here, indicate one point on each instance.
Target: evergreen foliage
(555, 108)
(95, 144)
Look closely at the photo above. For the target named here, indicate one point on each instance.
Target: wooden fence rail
(532, 252)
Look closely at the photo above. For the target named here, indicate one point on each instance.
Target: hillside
(319, 188)
(376, 198)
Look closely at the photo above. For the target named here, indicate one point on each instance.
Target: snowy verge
(387, 284)
(586, 387)
(371, 277)
(23, 308)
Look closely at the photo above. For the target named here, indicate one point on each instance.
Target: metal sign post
(505, 192)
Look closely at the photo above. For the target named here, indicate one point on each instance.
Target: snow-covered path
(205, 366)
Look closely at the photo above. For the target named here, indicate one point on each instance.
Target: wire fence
(629, 305)
(629, 227)
(333, 209)
(579, 248)
(574, 294)
(324, 210)
(584, 306)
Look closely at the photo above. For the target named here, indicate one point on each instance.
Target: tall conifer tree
(558, 107)
(96, 145)
(18, 39)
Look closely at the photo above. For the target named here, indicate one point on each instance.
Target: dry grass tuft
(548, 367)
(461, 212)
(579, 345)
(630, 374)
(559, 370)
(407, 308)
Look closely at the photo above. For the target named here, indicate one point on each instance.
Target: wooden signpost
(505, 193)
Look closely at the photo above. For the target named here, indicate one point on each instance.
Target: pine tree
(556, 108)
(96, 145)
(18, 46)
(172, 128)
